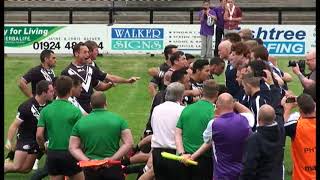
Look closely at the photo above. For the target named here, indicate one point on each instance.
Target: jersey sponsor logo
(85, 82)
(46, 75)
(26, 147)
(35, 112)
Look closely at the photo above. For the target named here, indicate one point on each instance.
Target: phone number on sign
(57, 45)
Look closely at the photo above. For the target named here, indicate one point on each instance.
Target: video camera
(301, 63)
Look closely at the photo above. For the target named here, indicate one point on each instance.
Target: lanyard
(231, 11)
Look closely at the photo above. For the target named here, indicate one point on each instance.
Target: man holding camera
(207, 19)
(303, 135)
(311, 63)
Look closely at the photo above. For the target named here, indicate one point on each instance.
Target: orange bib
(303, 149)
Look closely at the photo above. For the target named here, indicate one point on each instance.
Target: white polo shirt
(163, 121)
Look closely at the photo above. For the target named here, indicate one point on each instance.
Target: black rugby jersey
(37, 74)
(28, 113)
(90, 77)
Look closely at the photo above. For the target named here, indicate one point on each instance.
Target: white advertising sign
(280, 40)
(33, 38)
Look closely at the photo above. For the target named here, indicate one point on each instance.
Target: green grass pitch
(130, 101)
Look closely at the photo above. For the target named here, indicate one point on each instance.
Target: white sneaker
(35, 165)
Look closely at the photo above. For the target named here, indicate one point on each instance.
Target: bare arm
(127, 143)
(304, 81)
(241, 108)
(179, 143)
(152, 87)
(24, 87)
(118, 79)
(75, 149)
(287, 108)
(145, 140)
(40, 137)
(103, 86)
(204, 147)
(12, 132)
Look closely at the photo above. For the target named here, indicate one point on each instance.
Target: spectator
(219, 25)
(44, 71)
(163, 121)
(232, 17)
(217, 66)
(246, 35)
(311, 63)
(59, 126)
(227, 133)
(264, 152)
(303, 136)
(100, 133)
(25, 125)
(156, 84)
(207, 17)
(188, 140)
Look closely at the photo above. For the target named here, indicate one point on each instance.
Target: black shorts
(104, 173)
(62, 163)
(29, 146)
(163, 168)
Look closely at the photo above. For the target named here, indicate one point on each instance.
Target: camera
(301, 63)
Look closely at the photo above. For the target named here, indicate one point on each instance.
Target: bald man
(100, 132)
(264, 152)
(224, 49)
(227, 133)
(311, 63)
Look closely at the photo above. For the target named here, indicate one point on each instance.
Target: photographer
(302, 133)
(311, 63)
(207, 20)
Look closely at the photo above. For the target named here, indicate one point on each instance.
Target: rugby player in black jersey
(24, 127)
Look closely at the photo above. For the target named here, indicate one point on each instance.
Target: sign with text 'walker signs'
(131, 39)
(280, 40)
(34, 38)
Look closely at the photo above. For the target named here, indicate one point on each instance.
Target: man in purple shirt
(227, 133)
(219, 25)
(207, 19)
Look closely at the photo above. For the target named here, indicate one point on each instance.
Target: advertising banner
(280, 40)
(33, 38)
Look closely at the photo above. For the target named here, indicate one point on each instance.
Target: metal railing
(151, 11)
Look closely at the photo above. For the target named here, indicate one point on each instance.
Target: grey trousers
(206, 46)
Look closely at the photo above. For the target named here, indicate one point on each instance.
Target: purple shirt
(206, 30)
(219, 13)
(229, 134)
